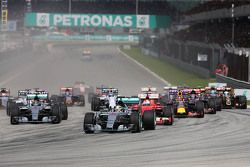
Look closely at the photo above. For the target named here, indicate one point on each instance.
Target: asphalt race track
(217, 140)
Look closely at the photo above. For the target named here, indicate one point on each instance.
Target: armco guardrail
(125, 38)
(232, 82)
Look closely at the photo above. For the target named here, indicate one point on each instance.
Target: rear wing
(148, 90)
(129, 100)
(170, 87)
(66, 89)
(41, 95)
(22, 93)
(173, 92)
(149, 96)
(107, 91)
(4, 92)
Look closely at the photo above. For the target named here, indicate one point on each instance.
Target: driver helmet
(118, 108)
(193, 94)
(146, 102)
(36, 99)
(226, 93)
(67, 92)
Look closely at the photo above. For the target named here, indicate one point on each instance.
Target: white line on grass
(145, 68)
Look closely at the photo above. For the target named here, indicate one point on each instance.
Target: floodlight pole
(137, 7)
(69, 6)
(233, 24)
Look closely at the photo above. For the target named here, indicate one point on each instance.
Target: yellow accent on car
(181, 110)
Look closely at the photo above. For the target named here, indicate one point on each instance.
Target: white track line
(145, 68)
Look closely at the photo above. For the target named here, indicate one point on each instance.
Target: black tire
(82, 100)
(212, 105)
(14, 112)
(90, 96)
(8, 107)
(57, 113)
(93, 103)
(89, 119)
(64, 111)
(54, 98)
(200, 108)
(218, 103)
(135, 119)
(149, 120)
(168, 112)
(96, 104)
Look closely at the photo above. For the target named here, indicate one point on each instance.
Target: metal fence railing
(232, 82)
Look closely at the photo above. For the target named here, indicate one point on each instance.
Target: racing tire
(149, 120)
(93, 103)
(200, 109)
(96, 104)
(89, 119)
(135, 119)
(14, 112)
(54, 98)
(8, 107)
(57, 113)
(212, 105)
(82, 100)
(218, 103)
(90, 96)
(168, 112)
(64, 111)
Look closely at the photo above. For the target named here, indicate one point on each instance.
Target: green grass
(167, 71)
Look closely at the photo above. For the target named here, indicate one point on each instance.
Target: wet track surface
(217, 140)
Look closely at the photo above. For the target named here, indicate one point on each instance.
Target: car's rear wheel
(82, 100)
(64, 110)
(218, 103)
(212, 105)
(96, 104)
(14, 112)
(200, 108)
(149, 120)
(135, 119)
(168, 112)
(90, 96)
(89, 121)
(57, 113)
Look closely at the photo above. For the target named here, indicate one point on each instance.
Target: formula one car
(4, 96)
(21, 99)
(153, 111)
(39, 108)
(185, 104)
(151, 102)
(104, 98)
(120, 119)
(240, 102)
(229, 100)
(86, 54)
(227, 97)
(195, 105)
(70, 96)
(209, 100)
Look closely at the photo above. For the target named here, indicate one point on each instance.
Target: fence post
(248, 69)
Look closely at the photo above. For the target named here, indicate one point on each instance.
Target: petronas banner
(95, 20)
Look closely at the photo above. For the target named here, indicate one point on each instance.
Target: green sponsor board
(96, 20)
(125, 38)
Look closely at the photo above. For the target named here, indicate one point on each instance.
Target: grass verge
(166, 70)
